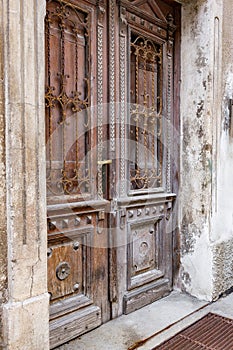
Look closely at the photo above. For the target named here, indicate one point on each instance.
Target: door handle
(103, 162)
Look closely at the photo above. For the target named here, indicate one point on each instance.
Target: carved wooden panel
(149, 28)
(146, 25)
(74, 324)
(67, 99)
(144, 250)
(77, 268)
(75, 53)
(150, 7)
(69, 265)
(149, 257)
(62, 226)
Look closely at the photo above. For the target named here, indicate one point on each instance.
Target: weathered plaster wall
(25, 312)
(222, 225)
(206, 213)
(199, 94)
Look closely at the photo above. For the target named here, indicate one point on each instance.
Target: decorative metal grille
(146, 105)
(67, 99)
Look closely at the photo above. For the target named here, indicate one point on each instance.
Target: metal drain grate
(212, 332)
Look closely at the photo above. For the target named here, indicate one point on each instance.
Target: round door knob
(63, 271)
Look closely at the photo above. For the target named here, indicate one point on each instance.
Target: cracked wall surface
(197, 85)
(222, 224)
(3, 227)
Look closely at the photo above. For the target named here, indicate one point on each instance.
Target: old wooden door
(109, 137)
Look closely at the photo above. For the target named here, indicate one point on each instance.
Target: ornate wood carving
(123, 98)
(144, 248)
(155, 73)
(66, 265)
(75, 83)
(147, 277)
(67, 99)
(149, 258)
(150, 7)
(100, 30)
(112, 72)
(146, 110)
(169, 100)
(146, 25)
(87, 259)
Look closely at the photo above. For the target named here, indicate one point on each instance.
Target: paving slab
(126, 331)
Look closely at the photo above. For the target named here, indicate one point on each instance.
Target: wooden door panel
(146, 46)
(148, 267)
(108, 167)
(76, 323)
(77, 268)
(67, 97)
(77, 241)
(144, 251)
(69, 261)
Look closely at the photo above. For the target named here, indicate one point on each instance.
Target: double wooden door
(109, 135)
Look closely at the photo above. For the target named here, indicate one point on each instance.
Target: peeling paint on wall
(189, 233)
(197, 146)
(206, 215)
(222, 268)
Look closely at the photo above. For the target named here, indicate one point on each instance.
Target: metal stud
(76, 287)
(76, 245)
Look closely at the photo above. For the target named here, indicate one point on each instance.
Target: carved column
(100, 95)
(112, 72)
(169, 102)
(123, 100)
(25, 313)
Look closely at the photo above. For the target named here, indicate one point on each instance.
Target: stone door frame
(25, 313)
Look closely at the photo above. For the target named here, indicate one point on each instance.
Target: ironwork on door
(109, 131)
(67, 100)
(146, 102)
